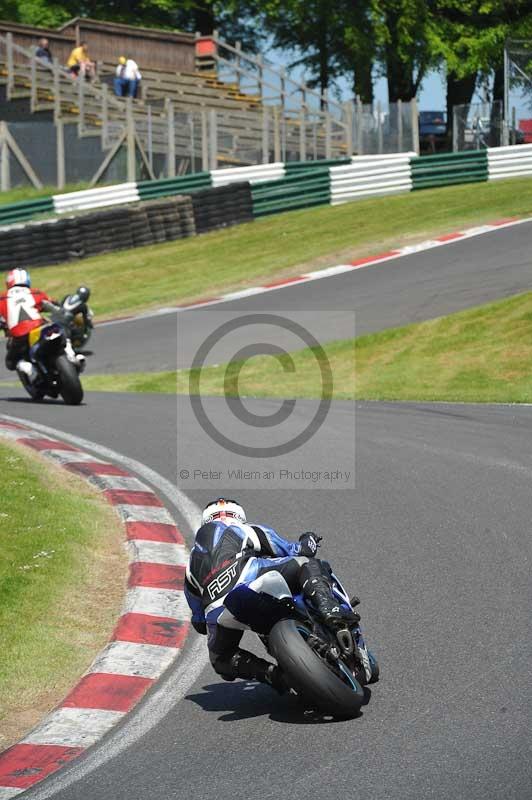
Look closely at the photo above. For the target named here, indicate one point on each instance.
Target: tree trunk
(204, 20)
(363, 80)
(399, 74)
(459, 92)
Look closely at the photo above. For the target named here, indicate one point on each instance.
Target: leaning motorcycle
(56, 364)
(327, 666)
(76, 317)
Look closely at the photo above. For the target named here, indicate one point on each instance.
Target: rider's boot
(27, 370)
(80, 358)
(317, 589)
(250, 667)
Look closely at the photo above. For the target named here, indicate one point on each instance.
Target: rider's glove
(309, 543)
(200, 627)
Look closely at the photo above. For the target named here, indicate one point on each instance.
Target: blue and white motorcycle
(326, 666)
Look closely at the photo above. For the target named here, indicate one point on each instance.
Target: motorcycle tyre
(70, 389)
(310, 676)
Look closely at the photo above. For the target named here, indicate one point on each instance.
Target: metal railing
(289, 122)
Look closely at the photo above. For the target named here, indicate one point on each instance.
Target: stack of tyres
(186, 216)
(222, 206)
(172, 217)
(157, 213)
(139, 226)
(104, 231)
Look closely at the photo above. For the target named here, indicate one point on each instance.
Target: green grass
(61, 584)
(284, 244)
(30, 193)
(480, 355)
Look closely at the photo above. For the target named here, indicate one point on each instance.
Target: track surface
(435, 539)
(411, 289)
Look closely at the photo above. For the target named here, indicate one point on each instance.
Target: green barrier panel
(464, 155)
(285, 188)
(25, 209)
(304, 190)
(150, 190)
(292, 204)
(446, 169)
(434, 183)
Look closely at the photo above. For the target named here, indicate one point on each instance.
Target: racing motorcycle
(326, 666)
(74, 314)
(58, 367)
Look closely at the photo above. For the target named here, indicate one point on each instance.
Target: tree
(401, 36)
(359, 51)
(314, 31)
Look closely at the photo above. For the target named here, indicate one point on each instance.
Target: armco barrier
(25, 209)
(280, 187)
(254, 174)
(447, 169)
(96, 198)
(368, 176)
(293, 167)
(509, 162)
(151, 190)
(302, 190)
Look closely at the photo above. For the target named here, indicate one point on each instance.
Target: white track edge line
(174, 685)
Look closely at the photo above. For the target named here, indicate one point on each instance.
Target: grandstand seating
(245, 124)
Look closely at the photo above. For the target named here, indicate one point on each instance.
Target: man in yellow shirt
(79, 62)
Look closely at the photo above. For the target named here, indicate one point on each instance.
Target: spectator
(79, 62)
(120, 81)
(133, 77)
(43, 50)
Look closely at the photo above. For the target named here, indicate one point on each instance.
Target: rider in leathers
(229, 553)
(21, 310)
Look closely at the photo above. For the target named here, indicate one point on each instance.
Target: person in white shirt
(132, 76)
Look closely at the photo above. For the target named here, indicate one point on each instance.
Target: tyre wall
(72, 237)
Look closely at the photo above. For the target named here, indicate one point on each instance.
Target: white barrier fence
(96, 198)
(369, 176)
(366, 176)
(509, 162)
(254, 174)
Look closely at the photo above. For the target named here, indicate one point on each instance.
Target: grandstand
(203, 103)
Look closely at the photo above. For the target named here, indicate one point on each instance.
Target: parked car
(432, 131)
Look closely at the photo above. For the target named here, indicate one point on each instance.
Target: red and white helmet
(226, 510)
(18, 277)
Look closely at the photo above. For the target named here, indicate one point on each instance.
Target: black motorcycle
(75, 316)
(56, 364)
(326, 666)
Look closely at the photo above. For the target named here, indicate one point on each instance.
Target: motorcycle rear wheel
(337, 693)
(70, 389)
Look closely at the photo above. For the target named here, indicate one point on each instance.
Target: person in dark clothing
(43, 50)
(229, 554)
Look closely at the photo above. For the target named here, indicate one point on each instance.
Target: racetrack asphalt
(418, 287)
(435, 539)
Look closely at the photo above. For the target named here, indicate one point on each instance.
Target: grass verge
(62, 581)
(31, 193)
(480, 355)
(207, 265)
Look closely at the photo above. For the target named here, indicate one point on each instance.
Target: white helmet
(223, 508)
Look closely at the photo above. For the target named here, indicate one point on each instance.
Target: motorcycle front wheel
(70, 389)
(331, 688)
